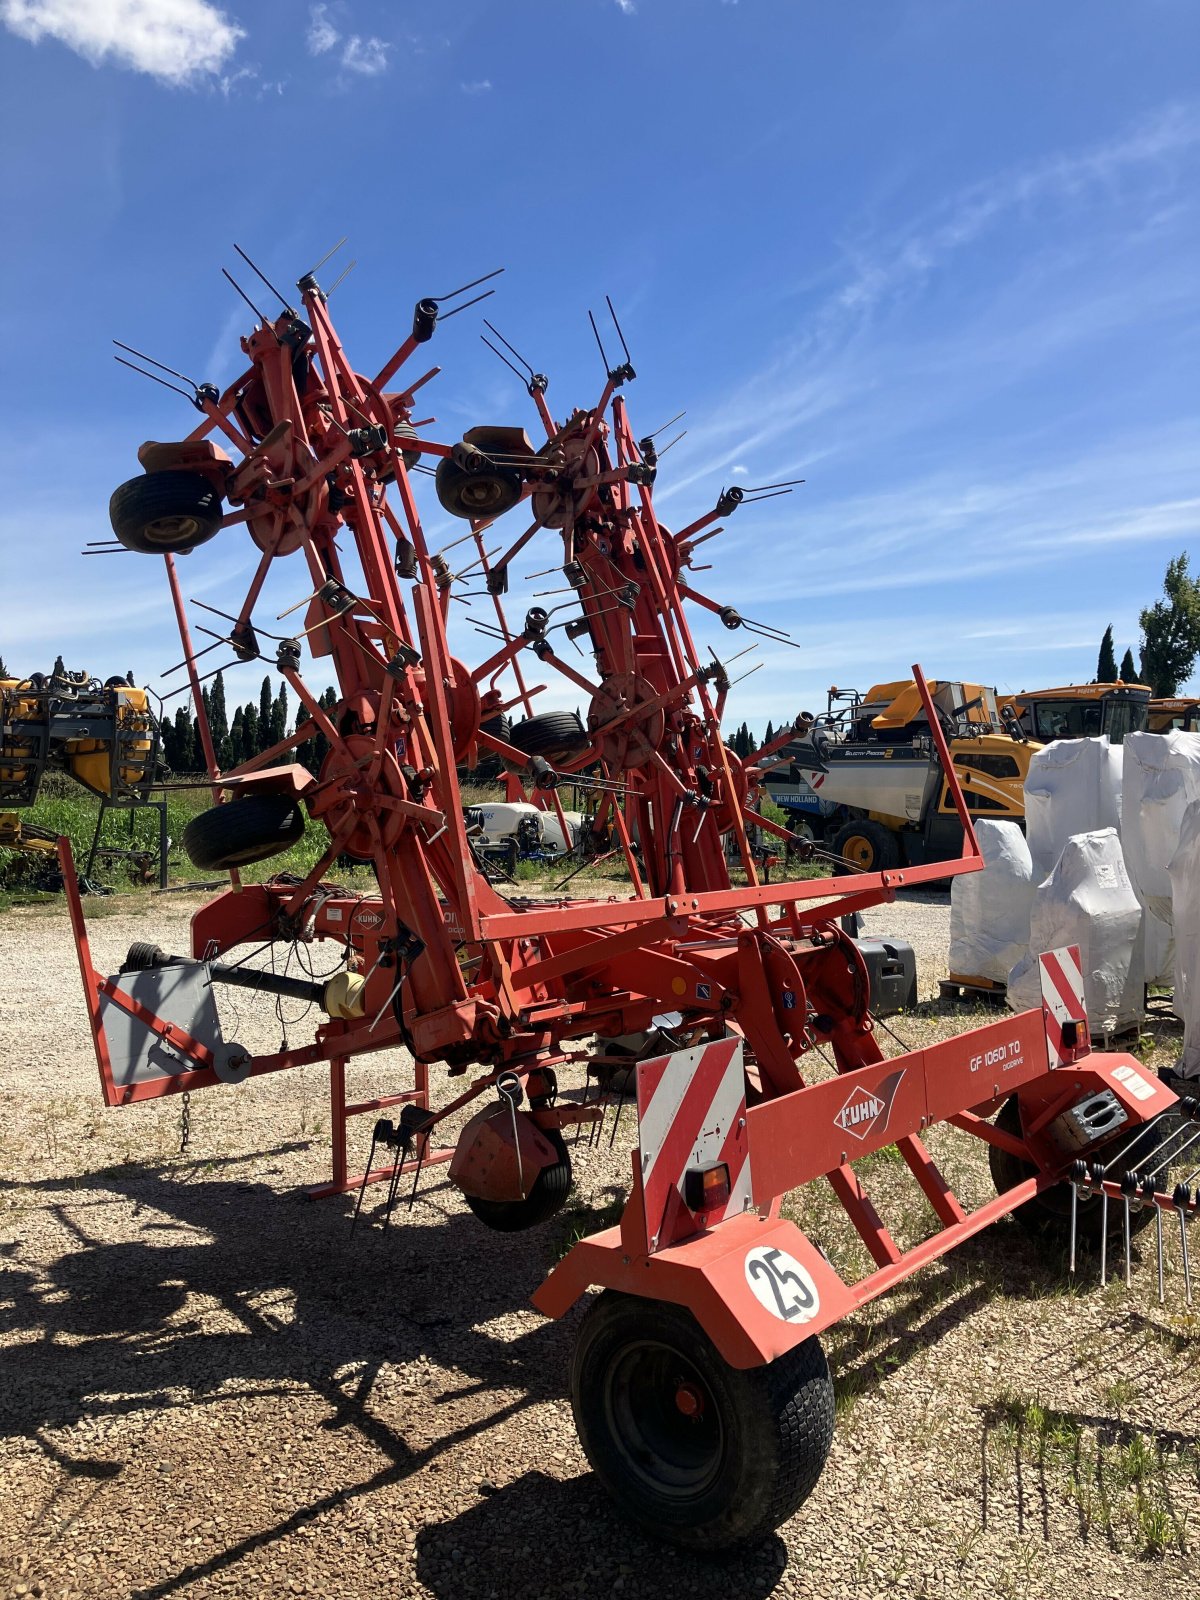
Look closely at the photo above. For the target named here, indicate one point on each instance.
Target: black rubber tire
(546, 1195)
(554, 735)
(499, 727)
(1048, 1215)
(165, 513)
(476, 495)
(768, 1429)
(884, 845)
(243, 831)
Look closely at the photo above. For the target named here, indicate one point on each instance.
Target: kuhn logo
(866, 1109)
(368, 919)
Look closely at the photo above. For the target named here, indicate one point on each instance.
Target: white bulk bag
(1161, 778)
(1088, 900)
(989, 910)
(1184, 873)
(1073, 786)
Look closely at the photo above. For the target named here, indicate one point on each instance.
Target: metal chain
(185, 1123)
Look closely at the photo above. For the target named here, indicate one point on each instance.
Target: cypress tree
(279, 715)
(183, 758)
(264, 715)
(1106, 664)
(250, 731)
(1129, 672)
(218, 723)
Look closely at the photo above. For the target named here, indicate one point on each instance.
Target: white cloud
(627, 6)
(964, 217)
(366, 56)
(322, 35)
(175, 41)
(480, 87)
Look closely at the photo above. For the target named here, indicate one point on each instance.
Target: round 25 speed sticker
(781, 1284)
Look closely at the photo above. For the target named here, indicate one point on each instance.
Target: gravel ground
(210, 1390)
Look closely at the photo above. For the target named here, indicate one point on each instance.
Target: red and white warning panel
(1063, 1004)
(693, 1149)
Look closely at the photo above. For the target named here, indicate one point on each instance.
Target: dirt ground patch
(210, 1390)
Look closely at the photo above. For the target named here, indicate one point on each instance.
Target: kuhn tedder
(699, 1386)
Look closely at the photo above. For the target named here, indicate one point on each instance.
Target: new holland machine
(699, 1387)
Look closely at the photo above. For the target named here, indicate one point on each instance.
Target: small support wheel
(546, 1195)
(165, 513)
(702, 1454)
(243, 831)
(487, 493)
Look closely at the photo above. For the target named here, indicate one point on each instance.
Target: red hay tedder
(700, 1389)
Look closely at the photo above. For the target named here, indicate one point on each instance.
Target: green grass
(65, 807)
(1119, 1476)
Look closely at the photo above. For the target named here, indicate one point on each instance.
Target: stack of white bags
(1111, 862)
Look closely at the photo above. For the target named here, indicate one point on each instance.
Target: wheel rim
(859, 850)
(664, 1421)
(171, 530)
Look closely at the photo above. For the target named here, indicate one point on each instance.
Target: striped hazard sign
(1063, 1005)
(691, 1115)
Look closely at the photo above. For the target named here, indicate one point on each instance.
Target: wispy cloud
(857, 371)
(176, 41)
(627, 7)
(368, 57)
(967, 215)
(322, 35)
(480, 86)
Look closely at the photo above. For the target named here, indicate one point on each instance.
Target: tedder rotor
(700, 1390)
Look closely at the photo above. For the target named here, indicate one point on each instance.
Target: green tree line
(252, 729)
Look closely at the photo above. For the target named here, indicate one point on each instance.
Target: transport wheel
(866, 845)
(546, 1195)
(555, 735)
(165, 513)
(1048, 1215)
(697, 1452)
(476, 494)
(243, 831)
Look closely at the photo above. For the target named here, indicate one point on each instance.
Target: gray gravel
(208, 1390)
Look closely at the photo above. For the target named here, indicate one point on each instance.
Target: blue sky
(938, 259)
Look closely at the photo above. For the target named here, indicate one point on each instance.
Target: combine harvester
(699, 1386)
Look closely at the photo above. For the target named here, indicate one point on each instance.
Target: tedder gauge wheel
(867, 845)
(243, 831)
(488, 493)
(546, 1195)
(1049, 1213)
(165, 513)
(556, 735)
(705, 1455)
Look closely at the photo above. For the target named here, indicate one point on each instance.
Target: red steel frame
(455, 971)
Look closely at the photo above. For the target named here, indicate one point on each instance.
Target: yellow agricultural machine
(886, 799)
(103, 735)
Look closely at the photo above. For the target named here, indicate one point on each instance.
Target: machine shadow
(604, 1546)
(104, 1308)
(114, 1335)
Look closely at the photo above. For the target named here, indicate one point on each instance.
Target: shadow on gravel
(233, 1289)
(501, 1547)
